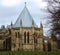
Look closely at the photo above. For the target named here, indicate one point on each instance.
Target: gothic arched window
(18, 35)
(24, 37)
(28, 37)
(35, 40)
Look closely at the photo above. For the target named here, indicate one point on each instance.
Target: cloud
(40, 3)
(9, 3)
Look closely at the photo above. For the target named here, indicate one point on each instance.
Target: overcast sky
(10, 10)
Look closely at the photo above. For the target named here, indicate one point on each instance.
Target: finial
(25, 3)
(11, 23)
(21, 22)
(32, 22)
(41, 26)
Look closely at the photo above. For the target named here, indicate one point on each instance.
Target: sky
(10, 10)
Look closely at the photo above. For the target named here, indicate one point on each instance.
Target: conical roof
(26, 19)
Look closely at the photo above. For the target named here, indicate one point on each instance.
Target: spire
(41, 26)
(25, 18)
(11, 23)
(32, 23)
(21, 23)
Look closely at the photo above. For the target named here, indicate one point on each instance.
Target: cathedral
(25, 35)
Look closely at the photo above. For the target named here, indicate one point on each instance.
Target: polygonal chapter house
(25, 35)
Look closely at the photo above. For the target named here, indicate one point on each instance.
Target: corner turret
(21, 23)
(11, 25)
(41, 28)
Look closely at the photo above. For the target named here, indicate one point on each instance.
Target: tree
(54, 10)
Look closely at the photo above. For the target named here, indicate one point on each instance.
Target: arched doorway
(49, 46)
(7, 44)
(46, 45)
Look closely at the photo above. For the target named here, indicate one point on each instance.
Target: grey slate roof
(26, 19)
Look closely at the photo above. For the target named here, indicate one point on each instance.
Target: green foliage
(29, 53)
